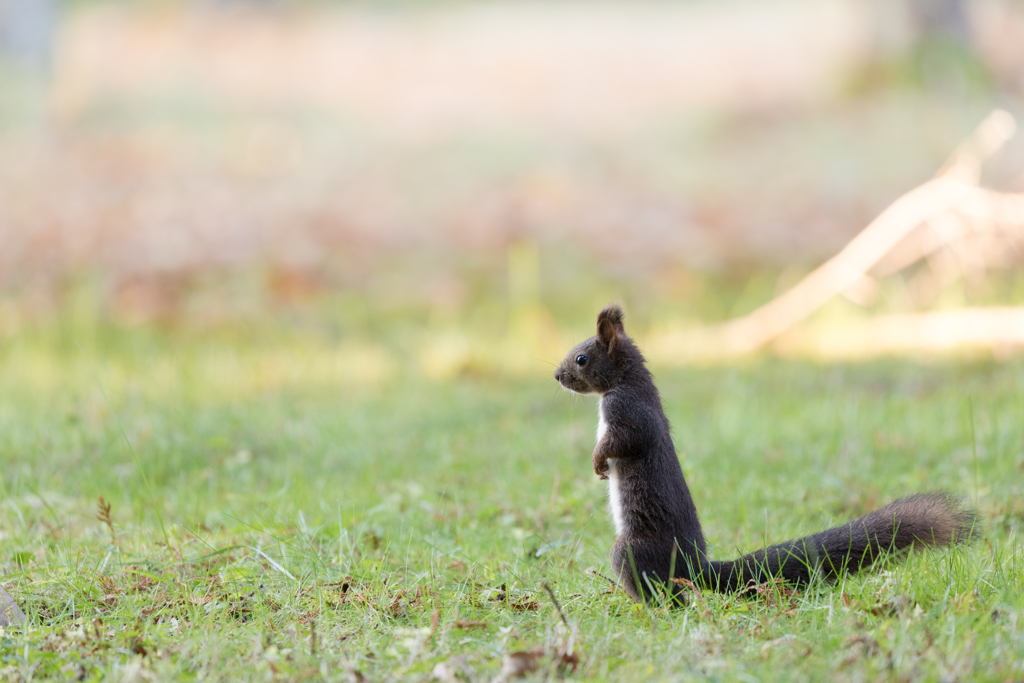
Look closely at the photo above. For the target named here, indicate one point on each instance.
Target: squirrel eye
(581, 360)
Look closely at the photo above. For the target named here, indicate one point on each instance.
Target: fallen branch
(947, 212)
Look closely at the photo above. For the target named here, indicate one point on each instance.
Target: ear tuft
(609, 326)
(613, 314)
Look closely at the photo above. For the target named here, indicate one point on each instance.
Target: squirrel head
(596, 365)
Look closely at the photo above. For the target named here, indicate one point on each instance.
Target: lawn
(282, 515)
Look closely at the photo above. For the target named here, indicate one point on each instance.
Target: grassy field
(282, 520)
(275, 361)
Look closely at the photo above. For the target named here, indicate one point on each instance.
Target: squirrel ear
(609, 326)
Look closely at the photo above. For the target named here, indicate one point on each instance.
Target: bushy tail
(925, 519)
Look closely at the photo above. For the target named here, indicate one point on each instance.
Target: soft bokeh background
(457, 186)
(282, 283)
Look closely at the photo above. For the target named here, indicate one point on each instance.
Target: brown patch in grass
(514, 599)
(467, 624)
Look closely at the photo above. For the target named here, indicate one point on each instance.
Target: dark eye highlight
(581, 360)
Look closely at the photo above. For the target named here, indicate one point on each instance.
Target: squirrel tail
(925, 519)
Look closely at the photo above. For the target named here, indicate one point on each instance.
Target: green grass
(327, 524)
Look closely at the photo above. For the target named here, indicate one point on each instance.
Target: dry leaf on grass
(893, 606)
(469, 623)
(773, 593)
(568, 661)
(518, 665)
(514, 599)
(10, 613)
(525, 662)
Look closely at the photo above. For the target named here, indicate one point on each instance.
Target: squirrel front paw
(601, 466)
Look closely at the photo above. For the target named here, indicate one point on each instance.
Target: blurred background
(459, 185)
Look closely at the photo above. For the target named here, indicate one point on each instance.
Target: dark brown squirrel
(658, 532)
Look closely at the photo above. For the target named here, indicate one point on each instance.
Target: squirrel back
(659, 537)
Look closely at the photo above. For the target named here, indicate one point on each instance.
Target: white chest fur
(614, 498)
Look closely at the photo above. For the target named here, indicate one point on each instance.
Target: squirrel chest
(614, 494)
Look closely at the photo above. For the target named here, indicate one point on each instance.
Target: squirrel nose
(558, 375)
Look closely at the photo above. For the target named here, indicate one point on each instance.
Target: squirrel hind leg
(644, 569)
(637, 568)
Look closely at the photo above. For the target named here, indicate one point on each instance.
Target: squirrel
(659, 542)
